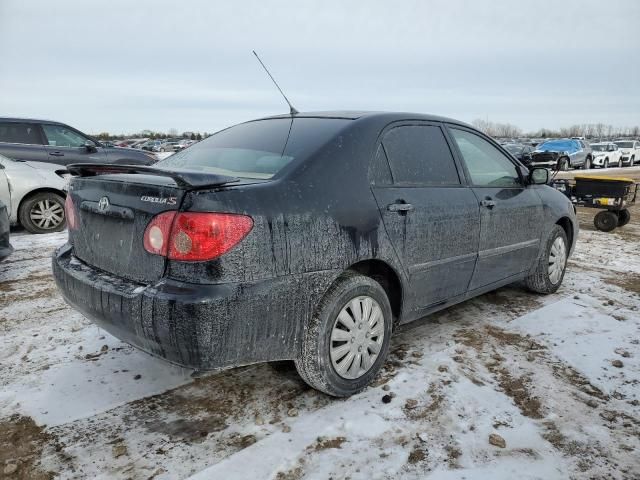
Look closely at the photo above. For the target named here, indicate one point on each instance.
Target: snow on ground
(556, 377)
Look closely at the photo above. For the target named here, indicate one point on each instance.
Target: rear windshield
(257, 149)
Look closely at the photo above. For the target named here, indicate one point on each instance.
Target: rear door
(511, 214)
(430, 215)
(65, 145)
(22, 141)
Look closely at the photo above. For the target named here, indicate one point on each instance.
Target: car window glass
(419, 154)
(487, 165)
(11, 132)
(61, 136)
(258, 149)
(380, 174)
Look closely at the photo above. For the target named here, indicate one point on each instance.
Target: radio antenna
(292, 110)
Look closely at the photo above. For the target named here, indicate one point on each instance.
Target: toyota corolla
(307, 237)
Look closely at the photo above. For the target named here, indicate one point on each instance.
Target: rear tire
(624, 216)
(552, 263)
(605, 221)
(326, 337)
(43, 213)
(620, 163)
(587, 164)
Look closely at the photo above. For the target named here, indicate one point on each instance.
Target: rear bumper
(196, 326)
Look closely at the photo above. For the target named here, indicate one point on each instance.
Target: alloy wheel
(47, 214)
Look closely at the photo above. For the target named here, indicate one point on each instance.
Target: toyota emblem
(103, 204)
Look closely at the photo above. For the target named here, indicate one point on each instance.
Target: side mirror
(90, 146)
(539, 176)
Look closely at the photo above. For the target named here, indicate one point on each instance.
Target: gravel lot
(508, 385)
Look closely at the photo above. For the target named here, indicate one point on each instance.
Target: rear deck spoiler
(183, 178)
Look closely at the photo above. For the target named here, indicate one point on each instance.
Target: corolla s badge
(103, 204)
(160, 200)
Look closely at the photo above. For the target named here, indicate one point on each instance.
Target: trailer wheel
(605, 221)
(623, 217)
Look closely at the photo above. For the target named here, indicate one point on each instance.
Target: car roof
(361, 114)
(29, 120)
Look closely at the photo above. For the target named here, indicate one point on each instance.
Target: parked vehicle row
(566, 153)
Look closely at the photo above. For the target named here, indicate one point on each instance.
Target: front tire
(563, 164)
(347, 340)
(43, 213)
(552, 263)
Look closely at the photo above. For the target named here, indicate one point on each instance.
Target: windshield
(257, 149)
(598, 148)
(624, 144)
(557, 145)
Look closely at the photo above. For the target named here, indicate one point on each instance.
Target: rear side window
(257, 149)
(420, 155)
(27, 133)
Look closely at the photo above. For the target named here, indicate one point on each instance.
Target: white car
(34, 194)
(605, 155)
(630, 150)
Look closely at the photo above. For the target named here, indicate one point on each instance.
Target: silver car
(34, 194)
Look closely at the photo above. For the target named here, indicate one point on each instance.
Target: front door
(65, 146)
(430, 216)
(511, 214)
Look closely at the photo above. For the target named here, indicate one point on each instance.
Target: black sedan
(307, 237)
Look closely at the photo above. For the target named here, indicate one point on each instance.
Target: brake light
(70, 212)
(195, 236)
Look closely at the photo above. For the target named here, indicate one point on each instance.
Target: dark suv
(54, 142)
(307, 238)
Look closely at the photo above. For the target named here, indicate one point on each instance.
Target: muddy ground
(508, 385)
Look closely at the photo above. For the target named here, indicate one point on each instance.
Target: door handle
(487, 202)
(400, 207)
(56, 154)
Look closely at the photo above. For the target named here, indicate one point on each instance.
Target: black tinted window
(257, 149)
(19, 133)
(420, 155)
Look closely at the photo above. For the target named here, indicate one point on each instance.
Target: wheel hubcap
(356, 337)
(47, 214)
(557, 260)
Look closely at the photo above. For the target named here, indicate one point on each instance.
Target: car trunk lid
(113, 210)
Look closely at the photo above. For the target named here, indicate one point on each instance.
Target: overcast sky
(123, 66)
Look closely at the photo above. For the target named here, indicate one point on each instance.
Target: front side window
(488, 166)
(258, 149)
(61, 136)
(420, 155)
(26, 133)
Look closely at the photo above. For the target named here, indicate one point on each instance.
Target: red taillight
(70, 212)
(195, 236)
